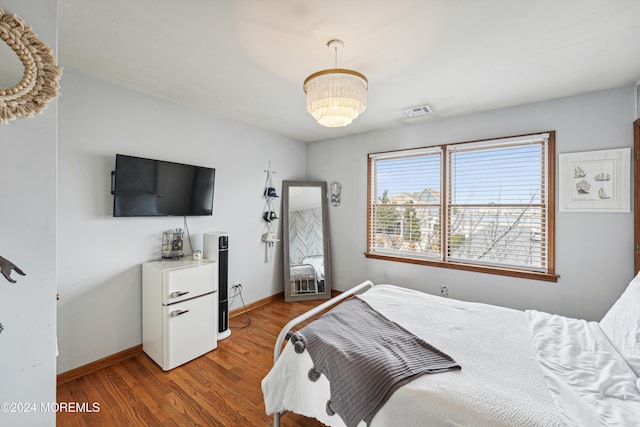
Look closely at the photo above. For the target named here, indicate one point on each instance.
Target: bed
(303, 279)
(518, 368)
(308, 276)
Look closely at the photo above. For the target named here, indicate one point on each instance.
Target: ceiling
(246, 60)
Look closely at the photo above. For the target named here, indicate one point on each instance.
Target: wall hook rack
(270, 237)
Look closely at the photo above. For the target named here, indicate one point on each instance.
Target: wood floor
(221, 388)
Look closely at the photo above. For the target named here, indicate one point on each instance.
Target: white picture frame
(595, 181)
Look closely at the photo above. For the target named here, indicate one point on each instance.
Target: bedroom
(57, 225)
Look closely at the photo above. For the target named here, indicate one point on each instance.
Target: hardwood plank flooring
(221, 388)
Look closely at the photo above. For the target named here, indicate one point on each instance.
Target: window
(481, 206)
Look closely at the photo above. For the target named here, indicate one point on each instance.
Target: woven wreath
(39, 83)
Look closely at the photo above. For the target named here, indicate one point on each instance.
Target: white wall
(99, 273)
(99, 256)
(28, 229)
(594, 251)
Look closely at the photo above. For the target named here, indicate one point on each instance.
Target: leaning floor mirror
(305, 241)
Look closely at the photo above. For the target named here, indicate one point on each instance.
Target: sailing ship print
(593, 181)
(596, 181)
(602, 194)
(583, 187)
(602, 177)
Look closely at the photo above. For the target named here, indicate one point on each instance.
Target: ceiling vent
(418, 111)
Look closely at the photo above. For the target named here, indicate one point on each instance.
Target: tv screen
(146, 187)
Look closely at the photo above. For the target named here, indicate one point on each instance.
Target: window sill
(533, 275)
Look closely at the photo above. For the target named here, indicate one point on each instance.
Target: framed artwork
(596, 181)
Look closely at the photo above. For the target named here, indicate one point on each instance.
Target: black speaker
(216, 248)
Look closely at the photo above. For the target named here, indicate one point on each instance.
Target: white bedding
(500, 383)
(317, 261)
(589, 380)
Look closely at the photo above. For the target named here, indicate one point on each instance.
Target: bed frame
(285, 333)
(303, 281)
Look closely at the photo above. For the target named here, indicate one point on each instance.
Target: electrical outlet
(444, 291)
(236, 287)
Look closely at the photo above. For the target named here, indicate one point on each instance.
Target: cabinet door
(191, 329)
(185, 283)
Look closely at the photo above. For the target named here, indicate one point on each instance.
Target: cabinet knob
(177, 294)
(176, 313)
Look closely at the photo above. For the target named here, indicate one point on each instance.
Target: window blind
(497, 204)
(483, 203)
(405, 205)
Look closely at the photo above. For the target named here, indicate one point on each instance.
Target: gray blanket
(365, 357)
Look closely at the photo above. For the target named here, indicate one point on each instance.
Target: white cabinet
(179, 310)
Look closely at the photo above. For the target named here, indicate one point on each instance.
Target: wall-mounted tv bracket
(113, 182)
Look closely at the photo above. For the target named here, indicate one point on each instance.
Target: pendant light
(337, 96)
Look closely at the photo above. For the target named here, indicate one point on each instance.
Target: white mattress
(500, 383)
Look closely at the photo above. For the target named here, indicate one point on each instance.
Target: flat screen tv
(147, 187)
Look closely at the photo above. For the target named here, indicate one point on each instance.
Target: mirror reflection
(305, 230)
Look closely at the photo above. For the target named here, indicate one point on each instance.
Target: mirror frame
(39, 83)
(288, 296)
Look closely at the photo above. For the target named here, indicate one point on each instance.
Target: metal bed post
(305, 316)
